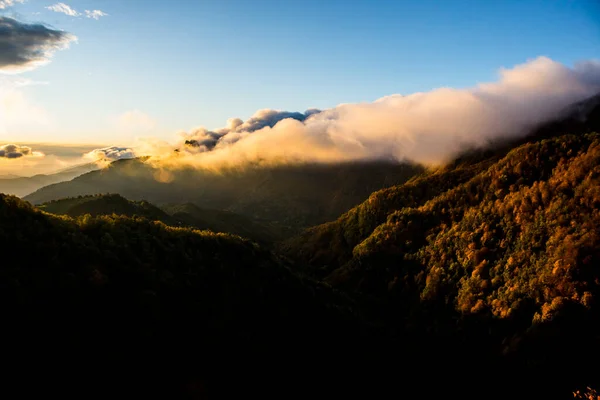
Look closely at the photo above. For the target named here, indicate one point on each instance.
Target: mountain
(478, 279)
(22, 186)
(289, 196)
(108, 204)
(183, 215)
(330, 245)
(498, 250)
(222, 221)
(96, 305)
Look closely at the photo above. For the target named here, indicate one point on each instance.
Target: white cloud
(68, 10)
(63, 8)
(107, 155)
(135, 121)
(9, 3)
(95, 14)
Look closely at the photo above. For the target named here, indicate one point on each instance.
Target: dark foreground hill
(291, 196)
(117, 306)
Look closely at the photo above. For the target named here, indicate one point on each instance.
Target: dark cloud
(12, 151)
(24, 46)
(270, 118)
(203, 139)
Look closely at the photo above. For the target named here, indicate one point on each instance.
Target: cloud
(203, 139)
(13, 151)
(429, 128)
(63, 8)
(95, 14)
(109, 154)
(135, 121)
(57, 157)
(67, 10)
(26, 46)
(9, 3)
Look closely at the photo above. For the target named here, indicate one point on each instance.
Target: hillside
(290, 196)
(500, 249)
(476, 280)
(108, 204)
(182, 215)
(330, 245)
(222, 221)
(164, 307)
(22, 186)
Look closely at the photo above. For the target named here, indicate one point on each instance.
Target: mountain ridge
(290, 196)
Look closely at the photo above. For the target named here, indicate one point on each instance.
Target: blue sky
(174, 65)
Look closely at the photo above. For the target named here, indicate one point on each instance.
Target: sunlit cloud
(13, 151)
(56, 157)
(109, 154)
(429, 128)
(26, 46)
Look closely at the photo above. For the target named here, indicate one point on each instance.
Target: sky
(128, 69)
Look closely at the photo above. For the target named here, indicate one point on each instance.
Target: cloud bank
(428, 128)
(26, 46)
(13, 151)
(9, 3)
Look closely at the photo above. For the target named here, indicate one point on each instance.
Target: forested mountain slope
(223, 221)
(479, 279)
(330, 245)
(107, 204)
(501, 250)
(148, 310)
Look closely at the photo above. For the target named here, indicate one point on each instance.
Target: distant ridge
(22, 186)
(291, 197)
